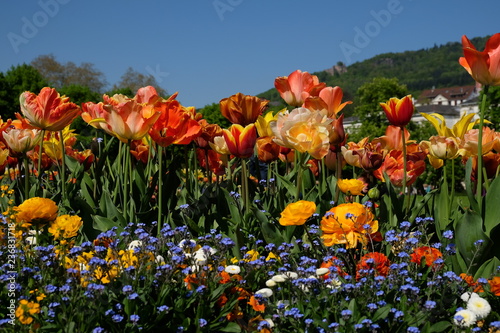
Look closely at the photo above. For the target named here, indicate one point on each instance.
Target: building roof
(452, 93)
(444, 110)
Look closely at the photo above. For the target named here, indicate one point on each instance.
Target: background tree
(15, 81)
(367, 106)
(134, 80)
(61, 75)
(211, 113)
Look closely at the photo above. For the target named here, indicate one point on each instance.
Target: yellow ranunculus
(65, 226)
(297, 213)
(36, 211)
(351, 186)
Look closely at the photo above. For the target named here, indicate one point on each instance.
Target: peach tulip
(484, 67)
(329, 101)
(22, 140)
(296, 87)
(48, 110)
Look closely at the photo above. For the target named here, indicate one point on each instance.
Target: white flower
(160, 260)
(31, 239)
(265, 292)
(279, 278)
(270, 321)
(464, 318)
(187, 243)
(200, 258)
(271, 283)
(291, 275)
(232, 269)
(135, 244)
(322, 271)
(284, 303)
(334, 284)
(467, 296)
(479, 306)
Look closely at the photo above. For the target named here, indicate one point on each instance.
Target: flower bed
(168, 223)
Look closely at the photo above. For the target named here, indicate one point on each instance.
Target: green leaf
(469, 187)
(440, 326)
(231, 327)
(492, 211)
(487, 269)
(102, 223)
(469, 229)
(381, 313)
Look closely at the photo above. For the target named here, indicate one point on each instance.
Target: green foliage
(492, 106)
(211, 113)
(14, 82)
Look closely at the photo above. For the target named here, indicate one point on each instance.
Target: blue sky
(210, 49)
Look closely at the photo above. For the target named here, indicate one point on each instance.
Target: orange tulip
(484, 67)
(92, 111)
(48, 110)
(175, 125)
(208, 133)
(241, 140)
(242, 109)
(131, 118)
(399, 111)
(267, 149)
(329, 101)
(296, 87)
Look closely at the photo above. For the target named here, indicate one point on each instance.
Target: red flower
(484, 67)
(430, 254)
(242, 109)
(399, 111)
(296, 87)
(373, 260)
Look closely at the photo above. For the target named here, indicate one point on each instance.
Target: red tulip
(399, 111)
(296, 87)
(484, 67)
(242, 109)
(241, 140)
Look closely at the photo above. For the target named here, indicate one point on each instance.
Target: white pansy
(279, 278)
(200, 258)
(232, 269)
(271, 283)
(322, 271)
(265, 292)
(135, 244)
(467, 296)
(291, 275)
(464, 318)
(479, 306)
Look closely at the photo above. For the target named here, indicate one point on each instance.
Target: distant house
(447, 96)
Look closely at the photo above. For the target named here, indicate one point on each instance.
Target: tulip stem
(160, 190)
(406, 197)
(63, 167)
(479, 190)
(26, 177)
(39, 167)
(244, 186)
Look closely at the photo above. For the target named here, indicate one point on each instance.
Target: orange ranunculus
(175, 124)
(296, 87)
(351, 186)
(267, 149)
(241, 140)
(430, 254)
(328, 102)
(297, 213)
(348, 224)
(484, 67)
(303, 130)
(393, 167)
(22, 140)
(495, 285)
(131, 118)
(373, 260)
(242, 109)
(48, 110)
(398, 111)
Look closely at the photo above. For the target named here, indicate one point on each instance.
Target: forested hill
(436, 66)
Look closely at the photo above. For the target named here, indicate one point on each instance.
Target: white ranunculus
(265, 292)
(232, 269)
(135, 244)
